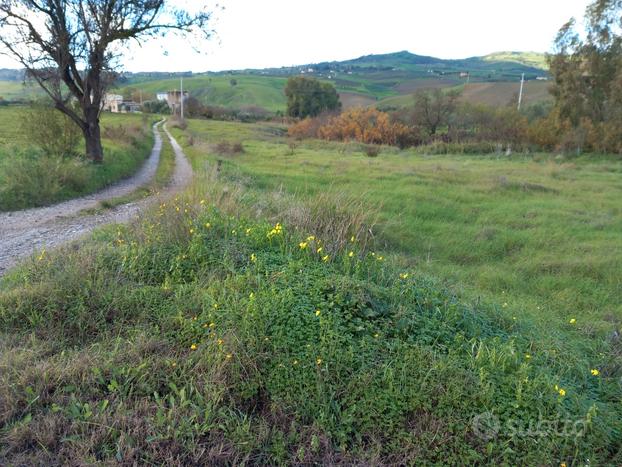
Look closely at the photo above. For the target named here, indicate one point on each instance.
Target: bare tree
(433, 109)
(71, 48)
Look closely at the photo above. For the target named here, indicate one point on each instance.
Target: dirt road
(24, 232)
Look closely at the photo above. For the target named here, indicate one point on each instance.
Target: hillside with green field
(218, 90)
(362, 81)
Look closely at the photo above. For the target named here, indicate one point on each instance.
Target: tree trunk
(92, 135)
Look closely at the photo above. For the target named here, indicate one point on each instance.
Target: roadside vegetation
(40, 160)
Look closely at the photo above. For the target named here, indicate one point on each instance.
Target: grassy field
(493, 94)
(28, 179)
(303, 303)
(262, 91)
(543, 232)
(10, 90)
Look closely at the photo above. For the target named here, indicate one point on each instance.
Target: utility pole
(520, 94)
(182, 98)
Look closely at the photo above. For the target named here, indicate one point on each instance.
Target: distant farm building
(116, 104)
(112, 102)
(173, 99)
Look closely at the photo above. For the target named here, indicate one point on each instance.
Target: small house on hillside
(116, 104)
(112, 103)
(173, 99)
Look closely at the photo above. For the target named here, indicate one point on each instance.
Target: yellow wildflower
(376, 335)
(205, 325)
(202, 202)
(229, 356)
(251, 295)
(302, 245)
(351, 254)
(253, 258)
(319, 250)
(317, 312)
(325, 258)
(207, 225)
(191, 231)
(404, 275)
(505, 305)
(562, 392)
(212, 325)
(310, 238)
(193, 347)
(220, 341)
(352, 239)
(595, 372)
(248, 232)
(215, 305)
(174, 364)
(573, 321)
(295, 362)
(319, 361)
(527, 356)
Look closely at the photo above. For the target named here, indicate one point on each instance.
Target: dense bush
(368, 126)
(156, 107)
(308, 97)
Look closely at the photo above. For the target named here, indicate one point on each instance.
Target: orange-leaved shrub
(369, 126)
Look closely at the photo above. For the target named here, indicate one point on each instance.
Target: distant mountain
(499, 66)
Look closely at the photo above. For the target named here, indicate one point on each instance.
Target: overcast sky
(270, 33)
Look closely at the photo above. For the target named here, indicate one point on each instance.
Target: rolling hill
(389, 79)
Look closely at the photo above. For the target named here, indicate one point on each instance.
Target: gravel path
(24, 232)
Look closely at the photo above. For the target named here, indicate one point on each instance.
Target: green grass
(10, 90)
(29, 179)
(404, 301)
(541, 228)
(262, 91)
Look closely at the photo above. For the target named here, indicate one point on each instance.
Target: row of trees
(587, 72)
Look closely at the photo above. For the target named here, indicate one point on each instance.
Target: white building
(112, 102)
